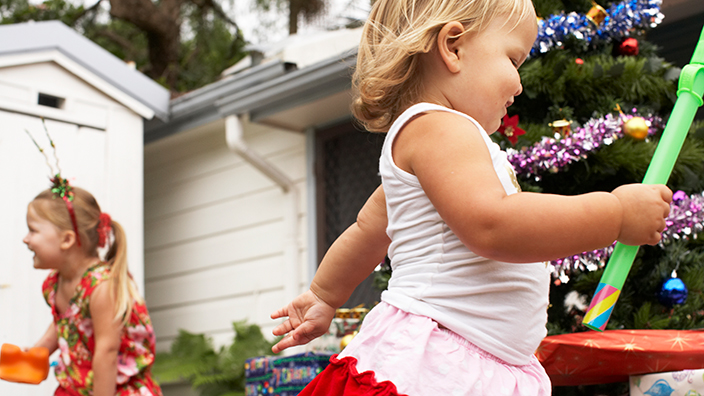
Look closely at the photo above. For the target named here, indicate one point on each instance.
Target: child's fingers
(299, 336)
(283, 328)
(665, 193)
(280, 313)
(288, 341)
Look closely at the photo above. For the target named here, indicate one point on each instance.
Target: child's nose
(520, 89)
(26, 239)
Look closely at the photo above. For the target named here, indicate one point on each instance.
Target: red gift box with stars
(613, 355)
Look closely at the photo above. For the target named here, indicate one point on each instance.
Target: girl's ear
(68, 239)
(448, 45)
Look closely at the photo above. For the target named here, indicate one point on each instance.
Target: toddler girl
(466, 305)
(101, 325)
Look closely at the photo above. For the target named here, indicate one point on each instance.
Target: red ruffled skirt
(341, 378)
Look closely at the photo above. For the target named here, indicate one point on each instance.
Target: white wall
(214, 231)
(103, 154)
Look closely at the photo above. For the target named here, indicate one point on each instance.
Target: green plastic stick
(689, 99)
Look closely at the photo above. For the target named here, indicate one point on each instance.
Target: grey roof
(54, 35)
(260, 91)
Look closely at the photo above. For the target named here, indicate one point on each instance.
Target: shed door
(24, 316)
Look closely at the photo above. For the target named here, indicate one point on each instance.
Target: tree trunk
(293, 10)
(162, 25)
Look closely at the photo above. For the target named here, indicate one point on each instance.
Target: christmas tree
(596, 99)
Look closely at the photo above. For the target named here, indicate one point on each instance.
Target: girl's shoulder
(439, 114)
(96, 275)
(49, 285)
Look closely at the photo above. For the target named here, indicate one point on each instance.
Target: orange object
(16, 365)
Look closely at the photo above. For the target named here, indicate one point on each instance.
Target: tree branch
(148, 16)
(218, 11)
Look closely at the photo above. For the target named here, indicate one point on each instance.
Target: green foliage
(593, 87)
(211, 46)
(211, 50)
(18, 11)
(212, 373)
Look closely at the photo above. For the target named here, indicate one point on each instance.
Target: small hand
(309, 317)
(645, 208)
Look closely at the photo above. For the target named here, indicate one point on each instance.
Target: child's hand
(308, 318)
(645, 208)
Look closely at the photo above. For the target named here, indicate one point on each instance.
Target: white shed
(94, 106)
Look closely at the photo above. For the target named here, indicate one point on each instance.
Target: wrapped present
(282, 375)
(258, 375)
(612, 356)
(346, 322)
(673, 383)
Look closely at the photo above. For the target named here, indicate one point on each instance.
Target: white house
(94, 107)
(229, 233)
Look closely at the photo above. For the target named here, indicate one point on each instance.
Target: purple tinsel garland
(553, 154)
(686, 220)
(686, 217)
(621, 19)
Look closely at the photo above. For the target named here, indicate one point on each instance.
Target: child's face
(44, 239)
(489, 78)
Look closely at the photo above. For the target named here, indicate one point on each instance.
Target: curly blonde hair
(387, 78)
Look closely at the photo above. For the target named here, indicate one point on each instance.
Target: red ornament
(628, 47)
(579, 61)
(509, 128)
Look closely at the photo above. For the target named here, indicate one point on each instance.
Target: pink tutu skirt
(398, 353)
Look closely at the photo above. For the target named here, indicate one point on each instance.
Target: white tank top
(500, 307)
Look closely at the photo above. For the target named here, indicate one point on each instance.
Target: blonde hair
(387, 78)
(87, 212)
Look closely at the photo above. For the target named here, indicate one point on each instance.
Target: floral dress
(77, 342)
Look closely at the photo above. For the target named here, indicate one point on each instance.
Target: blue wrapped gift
(282, 375)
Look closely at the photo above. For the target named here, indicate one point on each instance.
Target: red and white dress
(77, 341)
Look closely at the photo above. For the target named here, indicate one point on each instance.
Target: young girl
(466, 305)
(101, 325)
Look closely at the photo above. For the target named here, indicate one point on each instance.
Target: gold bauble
(636, 128)
(563, 127)
(597, 14)
(346, 340)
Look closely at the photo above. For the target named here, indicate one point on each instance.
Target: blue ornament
(673, 291)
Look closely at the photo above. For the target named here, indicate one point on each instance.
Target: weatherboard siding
(215, 231)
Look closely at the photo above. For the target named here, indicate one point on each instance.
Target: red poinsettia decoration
(509, 128)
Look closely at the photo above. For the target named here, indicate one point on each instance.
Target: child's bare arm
(107, 332)
(49, 340)
(350, 259)
(448, 155)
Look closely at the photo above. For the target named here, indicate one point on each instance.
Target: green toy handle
(689, 99)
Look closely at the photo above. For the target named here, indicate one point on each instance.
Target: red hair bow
(104, 226)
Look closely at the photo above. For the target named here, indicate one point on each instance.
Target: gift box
(346, 322)
(612, 356)
(282, 375)
(673, 383)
